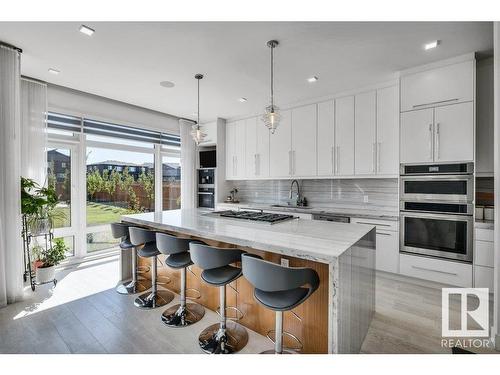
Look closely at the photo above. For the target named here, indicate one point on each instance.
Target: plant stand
(29, 271)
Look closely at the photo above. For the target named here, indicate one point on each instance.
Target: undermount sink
(290, 207)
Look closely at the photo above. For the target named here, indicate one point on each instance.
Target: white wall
(72, 102)
(496, 109)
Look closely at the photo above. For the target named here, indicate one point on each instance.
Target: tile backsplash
(357, 193)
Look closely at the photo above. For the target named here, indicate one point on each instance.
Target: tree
(147, 181)
(116, 179)
(94, 182)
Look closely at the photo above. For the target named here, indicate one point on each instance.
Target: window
(171, 182)
(119, 165)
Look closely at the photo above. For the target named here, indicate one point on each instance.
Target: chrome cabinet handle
(205, 193)
(382, 234)
(255, 164)
(430, 141)
(337, 161)
(368, 223)
(293, 162)
(379, 144)
(437, 140)
(333, 159)
(374, 157)
(438, 102)
(437, 271)
(290, 162)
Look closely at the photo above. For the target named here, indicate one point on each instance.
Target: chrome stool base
(272, 351)
(131, 287)
(152, 301)
(214, 340)
(177, 316)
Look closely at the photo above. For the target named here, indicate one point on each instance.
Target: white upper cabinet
(304, 146)
(280, 147)
(365, 133)
(417, 133)
(230, 145)
(326, 144)
(256, 148)
(387, 162)
(235, 149)
(444, 85)
(251, 147)
(454, 133)
(262, 149)
(484, 118)
(344, 136)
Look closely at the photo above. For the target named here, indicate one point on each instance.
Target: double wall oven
(436, 210)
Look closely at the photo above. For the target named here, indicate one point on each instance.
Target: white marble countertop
(345, 211)
(315, 240)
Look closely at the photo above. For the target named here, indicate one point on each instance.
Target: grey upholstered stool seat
(227, 336)
(177, 249)
(279, 288)
(146, 239)
(120, 230)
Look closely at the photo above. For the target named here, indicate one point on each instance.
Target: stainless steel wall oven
(436, 210)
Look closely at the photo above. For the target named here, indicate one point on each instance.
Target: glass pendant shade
(197, 134)
(271, 117)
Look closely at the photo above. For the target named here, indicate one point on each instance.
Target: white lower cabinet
(484, 277)
(387, 248)
(438, 270)
(484, 259)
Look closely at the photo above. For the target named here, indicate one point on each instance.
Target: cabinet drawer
(483, 277)
(441, 271)
(484, 253)
(483, 234)
(449, 84)
(387, 253)
(380, 224)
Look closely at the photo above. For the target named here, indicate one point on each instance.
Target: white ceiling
(127, 61)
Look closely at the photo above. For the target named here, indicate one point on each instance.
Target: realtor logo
(478, 316)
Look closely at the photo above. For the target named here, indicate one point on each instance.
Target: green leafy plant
(38, 204)
(55, 254)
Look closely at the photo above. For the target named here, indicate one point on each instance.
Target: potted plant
(49, 259)
(38, 204)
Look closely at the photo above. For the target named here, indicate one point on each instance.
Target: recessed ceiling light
(242, 100)
(54, 71)
(312, 79)
(167, 84)
(86, 30)
(431, 45)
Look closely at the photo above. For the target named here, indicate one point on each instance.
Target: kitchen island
(335, 319)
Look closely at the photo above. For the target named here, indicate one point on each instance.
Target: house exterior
(58, 164)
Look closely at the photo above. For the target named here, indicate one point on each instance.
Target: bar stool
(177, 250)
(146, 239)
(120, 230)
(227, 336)
(280, 289)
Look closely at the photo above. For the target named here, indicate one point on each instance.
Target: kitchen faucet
(299, 200)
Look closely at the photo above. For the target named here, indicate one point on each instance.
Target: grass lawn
(97, 214)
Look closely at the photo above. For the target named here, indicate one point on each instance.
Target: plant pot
(45, 274)
(39, 225)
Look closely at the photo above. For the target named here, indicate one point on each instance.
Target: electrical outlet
(365, 198)
(285, 262)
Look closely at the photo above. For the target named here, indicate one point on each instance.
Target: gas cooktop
(260, 216)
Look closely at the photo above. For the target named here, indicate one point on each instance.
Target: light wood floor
(85, 315)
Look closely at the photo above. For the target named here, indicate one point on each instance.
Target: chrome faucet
(299, 200)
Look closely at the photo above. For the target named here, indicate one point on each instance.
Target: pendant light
(271, 116)
(196, 132)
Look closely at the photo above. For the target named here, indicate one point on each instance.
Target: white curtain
(11, 250)
(33, 130)
(188, 166)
